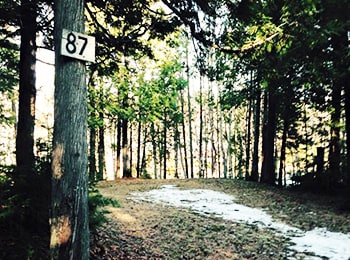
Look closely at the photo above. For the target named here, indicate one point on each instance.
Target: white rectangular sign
(77, 45)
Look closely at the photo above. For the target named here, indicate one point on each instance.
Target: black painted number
(71, 45)
(85, 40)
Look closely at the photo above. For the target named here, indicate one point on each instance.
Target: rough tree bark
(27, 91)
(269, 133)
(69, 219)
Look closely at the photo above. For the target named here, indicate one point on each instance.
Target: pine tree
(69, 220)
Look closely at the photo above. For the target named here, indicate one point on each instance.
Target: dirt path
(153, 231)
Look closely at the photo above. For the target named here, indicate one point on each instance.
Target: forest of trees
(256, 90)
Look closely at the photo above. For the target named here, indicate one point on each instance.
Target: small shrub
(145, 175)
(97, 211)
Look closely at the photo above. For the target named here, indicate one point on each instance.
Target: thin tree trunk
(249, 117)
(130, 149)
(92, 154)
(154, 150)
(124, 151)
(138, 161)
(119, 149)
(101, 150)
(93, 133)
(206, 148)
(201, 159)
(223, 152)
(101, 137)
(334, 145)
(306, 139)
(218, 137)
(189, 107)
(283, 152)
(248, 139)
(255, 161)
(114, 147)
(176, 148)
(69, 208)
(165, 132)
(160, 153)
(228, 134)
(184, 136)
(347, 130)
(336, 102)
(143, 159)
(212, 131)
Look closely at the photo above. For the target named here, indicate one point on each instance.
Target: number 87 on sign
(77, 45)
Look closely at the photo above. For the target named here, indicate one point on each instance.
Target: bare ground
(151, 231)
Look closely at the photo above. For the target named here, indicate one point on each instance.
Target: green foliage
(24, 213)
(97, 204)
(8, 78)
(8, 68)
(145, 175)
(6, 199)
(131, 24)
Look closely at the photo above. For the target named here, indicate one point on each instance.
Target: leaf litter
(197, 220)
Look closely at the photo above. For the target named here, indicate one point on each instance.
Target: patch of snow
(320, 241)
(334, 245)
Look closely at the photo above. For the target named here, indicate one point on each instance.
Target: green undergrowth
(97, 207)
(24, 214)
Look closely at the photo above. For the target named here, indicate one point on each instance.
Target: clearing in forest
(219, 219)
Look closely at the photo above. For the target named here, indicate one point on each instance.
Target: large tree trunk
(69, 220)
(27, 91)
(32, 190)
(269, 132)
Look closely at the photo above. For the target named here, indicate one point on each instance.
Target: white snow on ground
(319, 241)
